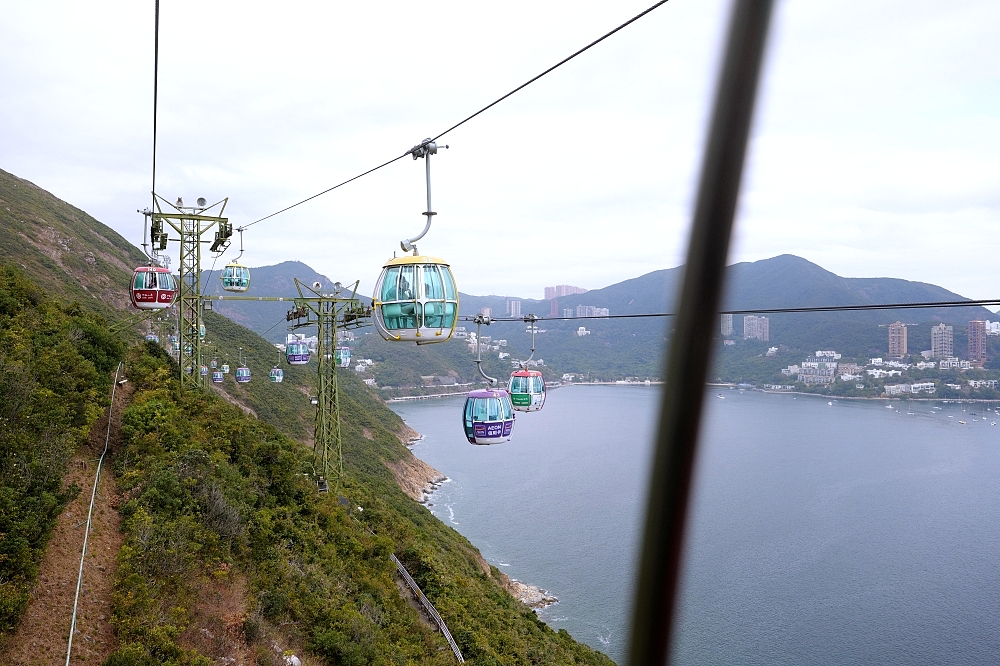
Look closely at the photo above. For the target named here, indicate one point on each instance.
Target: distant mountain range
(633, 347)
(77, 258)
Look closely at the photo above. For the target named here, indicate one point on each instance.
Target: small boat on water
(888, 406)
(721, 397)
(993, 423)
(963, 422)
(829, 403)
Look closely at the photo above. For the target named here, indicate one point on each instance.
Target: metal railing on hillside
(429, 607)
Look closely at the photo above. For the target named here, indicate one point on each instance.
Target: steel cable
(90, 515)
(818, 308)
(462, 122)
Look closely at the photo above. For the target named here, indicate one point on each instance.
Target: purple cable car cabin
(488, 417)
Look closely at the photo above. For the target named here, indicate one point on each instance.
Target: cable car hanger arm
(424, 149)
(481, 319)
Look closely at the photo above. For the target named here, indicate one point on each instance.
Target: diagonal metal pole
(690, 345)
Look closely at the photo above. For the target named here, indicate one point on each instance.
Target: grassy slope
(64, 250)
(54, 375)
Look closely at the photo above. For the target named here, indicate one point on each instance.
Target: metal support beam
(191, 224)
(327, 312)
(690, 344)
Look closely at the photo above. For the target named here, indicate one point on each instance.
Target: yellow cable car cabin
(416, 300)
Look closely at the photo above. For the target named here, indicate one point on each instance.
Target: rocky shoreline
(420, 481)
(530, 595)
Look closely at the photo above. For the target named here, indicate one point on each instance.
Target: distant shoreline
(718, 385)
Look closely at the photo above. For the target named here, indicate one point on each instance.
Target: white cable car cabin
(527, 390)
(225, 368)
(416, 300)
(243, 375)
(152, 288)
(217, 377)
(297, 353)
(277, 375)
(235, 277)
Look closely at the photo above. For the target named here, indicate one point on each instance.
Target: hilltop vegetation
(55, 365)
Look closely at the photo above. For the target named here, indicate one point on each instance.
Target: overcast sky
(875, 149)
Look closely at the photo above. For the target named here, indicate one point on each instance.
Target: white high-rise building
(727, 325)
(756, 328)
(942, 341)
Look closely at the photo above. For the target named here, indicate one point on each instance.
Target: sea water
(822, 532)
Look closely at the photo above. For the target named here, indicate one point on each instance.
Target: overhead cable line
(558, 64)
(331, 189)
(156, 78)
(818, 308)
(459, 124)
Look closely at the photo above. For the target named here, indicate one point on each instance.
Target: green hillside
(215, 499)
(64, 250)
(56, 364)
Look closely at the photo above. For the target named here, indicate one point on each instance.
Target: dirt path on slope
(42, 636)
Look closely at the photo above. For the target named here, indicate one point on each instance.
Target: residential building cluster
(943, 341)
(983, 383)
(921, 387)
(533, 363)
(562, 290)
(823, 369)
(591, 311)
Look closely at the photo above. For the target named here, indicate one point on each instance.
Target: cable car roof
(526, 373)
(408, 259)
(487, 393)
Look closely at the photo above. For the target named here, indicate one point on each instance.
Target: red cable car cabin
(152, 288)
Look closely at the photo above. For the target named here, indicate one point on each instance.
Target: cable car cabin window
(508, 410)
(539, 385)
(494, 410)
(517, 385)
(166, 281)
(143, 282)
(407, 283)
(401, 315)
(480, 413)
(389, 285)
(449, 285)
(439, 315)
(433, 286)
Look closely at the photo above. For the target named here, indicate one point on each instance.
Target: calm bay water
(821, 534)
